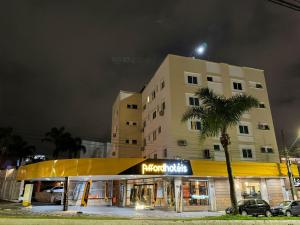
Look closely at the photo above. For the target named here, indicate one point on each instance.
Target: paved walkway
(117, 212)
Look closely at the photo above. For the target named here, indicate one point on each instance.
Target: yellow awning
(114, 166)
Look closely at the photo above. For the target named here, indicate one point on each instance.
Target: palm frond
(193, 113)
(237, 105)
(209, 98)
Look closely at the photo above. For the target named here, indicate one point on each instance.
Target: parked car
(287, 208)
(252, 207)
(55, 189)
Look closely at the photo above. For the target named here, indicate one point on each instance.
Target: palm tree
(5, 139)
(60, 138)
(75, 147)
(19, 148)
(217, 113)
(64, 142)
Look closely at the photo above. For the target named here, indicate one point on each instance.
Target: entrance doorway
(142, 195)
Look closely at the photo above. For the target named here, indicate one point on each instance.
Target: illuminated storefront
(181, 185)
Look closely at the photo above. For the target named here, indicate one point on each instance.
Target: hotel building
(160, 162)
(148, 123)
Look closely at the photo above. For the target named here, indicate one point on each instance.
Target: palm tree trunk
(231, 181)
(225, 142)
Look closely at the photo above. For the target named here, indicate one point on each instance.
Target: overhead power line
(291, 4)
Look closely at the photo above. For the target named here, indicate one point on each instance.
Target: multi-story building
(148, 123)
(126, 125)
(95, 149)
(161, 163)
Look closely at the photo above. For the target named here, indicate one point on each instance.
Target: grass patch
(95, 217)
(239, 217)
(75, 217)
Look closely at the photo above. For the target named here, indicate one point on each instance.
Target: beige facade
(126, 125)
(160, 132)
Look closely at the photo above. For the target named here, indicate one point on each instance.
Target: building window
(192, 79)
(163, 106)
(165, 153)
(261, 105)
(145, 142)
(153, 95)
(195, 193)
(237, 86)
(144, 124)
(159, 129)
(144, 107)
(132, 106)
(243, 129)
(155, 156)
(162, 84)
(193, 101)
(263, 126)
(134, 142)
(247, 153)
(217, 147)
(258, 85)
(210, 79)
(266, 149)
(131, 123)
(154, 115)
(154, 135)
(195, 125)
(127, 141)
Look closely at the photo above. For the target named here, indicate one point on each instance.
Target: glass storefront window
(150, 193)
(250, 189)
(195, 193)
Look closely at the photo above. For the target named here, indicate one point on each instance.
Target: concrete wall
(10, 188)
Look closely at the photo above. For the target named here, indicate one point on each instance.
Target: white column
(285, 193)
(178, 194)
(264, 190)
(22, 184)
(212, 194)
(238, 193)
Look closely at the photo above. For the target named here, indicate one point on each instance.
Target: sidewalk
(117, 212)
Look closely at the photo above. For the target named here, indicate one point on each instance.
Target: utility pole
(66, 193)
(288, 165)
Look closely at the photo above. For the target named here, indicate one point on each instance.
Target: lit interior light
(139, 206)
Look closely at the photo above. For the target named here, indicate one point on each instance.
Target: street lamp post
(288, 163)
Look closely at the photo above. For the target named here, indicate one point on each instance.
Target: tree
(75, 147)
(59, 137)
(218, 113)
(13, 146)
(18, 148)
(5, 140)
(64, 142)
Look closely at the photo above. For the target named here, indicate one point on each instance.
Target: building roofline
(204, 60)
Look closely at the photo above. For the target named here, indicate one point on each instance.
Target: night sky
(64, 62)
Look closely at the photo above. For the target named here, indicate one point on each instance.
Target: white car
(59, 189)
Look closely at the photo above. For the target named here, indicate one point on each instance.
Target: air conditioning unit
(261, 126)
(182, 142)
(206, 154)
(161, 112)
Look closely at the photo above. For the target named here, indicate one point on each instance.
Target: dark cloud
(63, 62)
